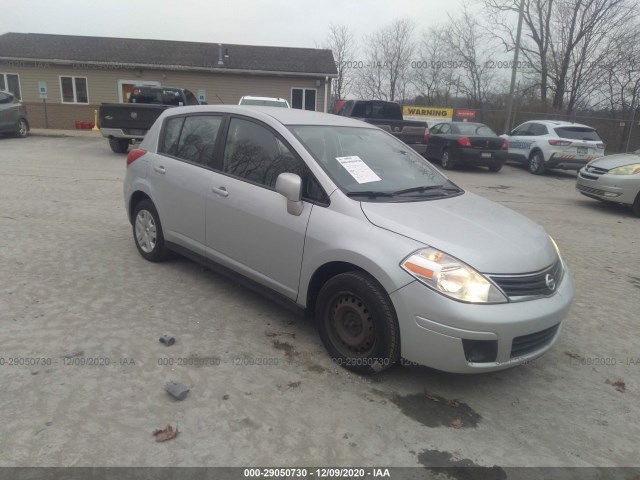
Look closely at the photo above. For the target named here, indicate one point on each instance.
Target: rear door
(181, 174)
(248, 227)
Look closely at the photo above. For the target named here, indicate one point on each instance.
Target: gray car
(615, 178)
(340, 219)
(13, 116)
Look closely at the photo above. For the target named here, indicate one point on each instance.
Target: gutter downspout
(326, 80)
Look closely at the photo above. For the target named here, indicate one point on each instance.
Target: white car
(549, 144)
(264, 101)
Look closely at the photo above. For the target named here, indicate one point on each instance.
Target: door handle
(220, 191)
(161, 170)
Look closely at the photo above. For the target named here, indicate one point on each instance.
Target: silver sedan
(615, 178)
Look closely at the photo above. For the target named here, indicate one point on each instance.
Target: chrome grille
(532, 342)
(596, 170)
(524, 286)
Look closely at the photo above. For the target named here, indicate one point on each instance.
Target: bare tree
(431, 81)
(342, 43)
(385, 72)
(470, 49)
(562, 40)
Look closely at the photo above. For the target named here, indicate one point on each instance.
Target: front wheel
(119, 145)
(446, 161)
(536, 164)
(357, 323)
(147, 232)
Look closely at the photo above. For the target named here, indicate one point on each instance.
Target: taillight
(464, 141)
(425, 139)
(559, 143)
(135, 154)
(505, 144)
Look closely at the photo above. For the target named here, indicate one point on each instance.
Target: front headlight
(626, 170)
(451, 277)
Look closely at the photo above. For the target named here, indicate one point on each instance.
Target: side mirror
(289, 185)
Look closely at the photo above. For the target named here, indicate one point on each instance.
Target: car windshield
(369, 164)
(264, 103)
(578, 133)
(475, 129)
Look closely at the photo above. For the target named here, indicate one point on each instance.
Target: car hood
(487, 236)
(613, 161)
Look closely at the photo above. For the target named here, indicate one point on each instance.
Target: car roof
(285, 116)
(559, 123)
(251, 97)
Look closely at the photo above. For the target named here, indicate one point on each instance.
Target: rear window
(578, 133)
(474, 129)
(155, 95)
(377, 110)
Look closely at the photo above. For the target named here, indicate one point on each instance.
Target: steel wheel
(357, 323)
(146, 231)
(351, 325)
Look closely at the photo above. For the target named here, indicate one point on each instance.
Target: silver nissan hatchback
(338, 218)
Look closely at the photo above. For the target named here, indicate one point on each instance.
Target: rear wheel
(357, 323)
(147, 232)
(495, 168)
(23, 128)
(446, 162)
(119, 145)
(536, 163)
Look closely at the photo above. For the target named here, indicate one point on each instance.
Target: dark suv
(13, 116)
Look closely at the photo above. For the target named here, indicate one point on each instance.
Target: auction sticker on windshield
(358, 169)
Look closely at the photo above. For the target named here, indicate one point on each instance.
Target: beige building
(72, 75)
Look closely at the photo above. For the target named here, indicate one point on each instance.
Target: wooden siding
(103, 87)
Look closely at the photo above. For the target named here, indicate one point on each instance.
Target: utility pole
(514, 69)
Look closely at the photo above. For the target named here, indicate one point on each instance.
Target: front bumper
(433, 327)
(610, 188)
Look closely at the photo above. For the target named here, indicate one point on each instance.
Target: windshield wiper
(425, 188)
(369, 194)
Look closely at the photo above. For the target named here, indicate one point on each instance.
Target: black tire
(146, 224)
(495, 168)
(22, 129)
(446, 161)
(357, 323)
(119, 145)
(536, 163)
(636, 205)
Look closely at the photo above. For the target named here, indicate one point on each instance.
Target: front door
(248, 227)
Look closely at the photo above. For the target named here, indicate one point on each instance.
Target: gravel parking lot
(82, 373)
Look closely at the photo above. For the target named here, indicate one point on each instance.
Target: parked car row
(13, 116)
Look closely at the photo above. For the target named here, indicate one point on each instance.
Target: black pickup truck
(123, 123)
(388, 116)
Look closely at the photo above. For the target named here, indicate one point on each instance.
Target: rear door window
(578, 133)
(538, 129)
(191, 138)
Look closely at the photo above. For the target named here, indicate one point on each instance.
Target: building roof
(165, 54)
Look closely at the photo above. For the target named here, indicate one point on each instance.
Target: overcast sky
(292, 23)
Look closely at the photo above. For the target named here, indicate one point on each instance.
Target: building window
(303, 98)
(74, 89)
(10, 82)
